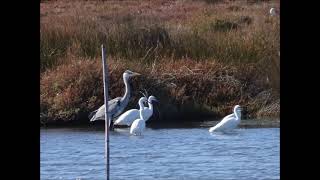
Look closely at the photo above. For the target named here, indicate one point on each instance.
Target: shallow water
(184, 153)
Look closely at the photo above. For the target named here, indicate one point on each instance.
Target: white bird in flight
(139, 125)
(229, 122)
(129, 116)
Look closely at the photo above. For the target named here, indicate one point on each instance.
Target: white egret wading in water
(139, 125)
(229, 122)
(116, 105)
(129, 116)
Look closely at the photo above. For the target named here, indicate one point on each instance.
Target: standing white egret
(148, 111)
(138, 125)
(132, 114)
(116, 105)
(273, 12)
(129, 116)
(229, 122)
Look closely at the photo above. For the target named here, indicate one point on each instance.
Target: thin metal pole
(105, 87)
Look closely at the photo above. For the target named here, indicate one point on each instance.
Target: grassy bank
(198, 57)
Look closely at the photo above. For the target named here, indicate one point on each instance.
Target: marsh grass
(204, 56)
(230, 37)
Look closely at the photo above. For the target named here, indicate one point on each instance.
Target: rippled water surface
(190, 153)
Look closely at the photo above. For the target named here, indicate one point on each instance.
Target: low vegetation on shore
(199, 58)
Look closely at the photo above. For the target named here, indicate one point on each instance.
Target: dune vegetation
(198, 57)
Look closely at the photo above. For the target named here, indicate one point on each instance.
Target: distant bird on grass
(229, 122)
(273, 12)
(129, 116)
(139, 125)
(116, 105)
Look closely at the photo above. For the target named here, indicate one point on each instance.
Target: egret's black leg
(111, 125)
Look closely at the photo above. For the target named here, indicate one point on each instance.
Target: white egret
(138, 125)
(129, 116)
(229, 122)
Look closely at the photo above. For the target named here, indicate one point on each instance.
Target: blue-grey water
(184, 153)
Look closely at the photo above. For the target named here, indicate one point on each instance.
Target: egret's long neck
(141, 115)
(141, 106)
(127, 91)
(238, 115)
(150, 106)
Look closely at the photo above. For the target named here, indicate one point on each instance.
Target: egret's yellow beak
(135, 74)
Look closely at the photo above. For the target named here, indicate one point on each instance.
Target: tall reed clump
(187, 90)
(69, 90)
